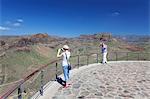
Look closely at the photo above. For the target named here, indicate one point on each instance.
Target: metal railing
(35, 81)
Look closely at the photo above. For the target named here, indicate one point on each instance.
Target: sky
(71, 18)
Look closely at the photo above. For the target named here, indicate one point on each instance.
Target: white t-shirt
(65, 62)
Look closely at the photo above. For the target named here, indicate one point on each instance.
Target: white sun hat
(65, 47)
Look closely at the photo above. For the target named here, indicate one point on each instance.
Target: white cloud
(20, 20)
(16, 24)
(116, 13)
(4, 28)
(11, 24)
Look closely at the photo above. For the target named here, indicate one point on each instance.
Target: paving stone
(120, 81)
(59, 97)
(70, 97)
(98, 94)
(66, 92)
(117, 97)
(81, 97)
(76, 86)
(75, 91)
(84, 93)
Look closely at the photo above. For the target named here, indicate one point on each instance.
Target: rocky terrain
(21, 54)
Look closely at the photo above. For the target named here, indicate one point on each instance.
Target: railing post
(148, 56)
(20, 92)
(87, 59)
(97, 57)
(42, 85)
(127, 56)
(116, 56)
(56, 69)
(3, 71)
(78, 61)
(138, 56)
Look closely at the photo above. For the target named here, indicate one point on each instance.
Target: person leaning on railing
(65, 54)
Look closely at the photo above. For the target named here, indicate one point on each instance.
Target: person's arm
(58, 53)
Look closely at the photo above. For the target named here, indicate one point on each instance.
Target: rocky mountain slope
(21, 54)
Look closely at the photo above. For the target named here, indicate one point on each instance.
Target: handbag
(69, 66)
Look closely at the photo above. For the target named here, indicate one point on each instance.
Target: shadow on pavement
(60, 81)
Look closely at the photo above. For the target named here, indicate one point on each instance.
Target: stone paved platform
(115, 80)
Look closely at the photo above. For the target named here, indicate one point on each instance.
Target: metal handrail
(13, 88)
(24, 79)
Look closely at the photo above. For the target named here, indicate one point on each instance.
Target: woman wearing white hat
(65, 53)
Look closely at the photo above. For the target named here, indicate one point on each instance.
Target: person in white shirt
(65, 53)
(104, 53)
